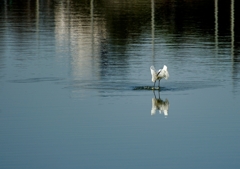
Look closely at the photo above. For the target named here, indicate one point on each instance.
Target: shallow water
(76, 90)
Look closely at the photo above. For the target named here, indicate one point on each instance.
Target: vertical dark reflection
(153, 28)
(232, 29)
(92, 25)
(37, 27)
(235, 61)
(216, 25)
(3, 19)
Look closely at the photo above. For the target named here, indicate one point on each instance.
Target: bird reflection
(159, 104)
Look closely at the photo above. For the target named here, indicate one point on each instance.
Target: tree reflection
(106, 30)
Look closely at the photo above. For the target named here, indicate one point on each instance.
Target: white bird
(158, 75)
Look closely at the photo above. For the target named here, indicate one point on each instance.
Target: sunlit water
(76, 90)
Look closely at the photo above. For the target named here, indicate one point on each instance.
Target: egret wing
(165, 74)
(153, 73)
(152, 68)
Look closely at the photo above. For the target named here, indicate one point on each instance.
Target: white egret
(158, 75)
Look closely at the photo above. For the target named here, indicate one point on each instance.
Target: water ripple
(36, 80)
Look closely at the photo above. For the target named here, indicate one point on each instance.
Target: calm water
(75, 79)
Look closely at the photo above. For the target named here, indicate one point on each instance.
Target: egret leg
(154, 94)
(154, 85)
(159, 84)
